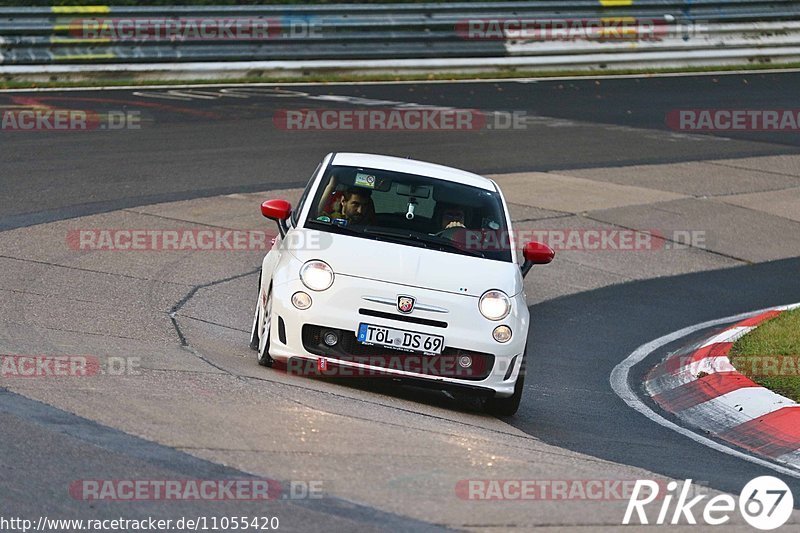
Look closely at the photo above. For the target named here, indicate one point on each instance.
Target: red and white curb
(700, 386)
(627, 391)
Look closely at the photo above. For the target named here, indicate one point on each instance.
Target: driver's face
(354, 208)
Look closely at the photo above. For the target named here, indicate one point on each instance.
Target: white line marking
(791, 457)
(165, 96)
(619, 382)
(410, 82)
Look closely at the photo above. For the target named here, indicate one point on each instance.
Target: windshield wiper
(427, 242)
(403, 236)
(408, 237)
(450, 245)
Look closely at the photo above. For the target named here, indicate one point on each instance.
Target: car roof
(412, 166)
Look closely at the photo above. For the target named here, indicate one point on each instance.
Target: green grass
(770, 354)
(330, 77)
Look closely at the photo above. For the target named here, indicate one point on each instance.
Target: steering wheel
(448, 233)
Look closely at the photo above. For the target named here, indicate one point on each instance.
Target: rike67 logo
(765, 503)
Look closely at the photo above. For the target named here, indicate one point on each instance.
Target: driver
(353, 205)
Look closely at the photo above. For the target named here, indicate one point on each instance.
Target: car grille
(403, 318)
(349, 349)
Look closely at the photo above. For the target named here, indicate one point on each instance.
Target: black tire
(254, 337)
(263, 352)
(509, 406)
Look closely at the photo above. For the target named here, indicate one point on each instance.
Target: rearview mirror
(276, 209)
(279, 211)
(418, 191)
(536, 253)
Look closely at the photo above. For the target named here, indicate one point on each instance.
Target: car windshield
(411, 210)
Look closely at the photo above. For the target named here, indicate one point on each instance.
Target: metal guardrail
(92, 35)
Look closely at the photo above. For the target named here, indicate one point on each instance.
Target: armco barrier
(400, 36)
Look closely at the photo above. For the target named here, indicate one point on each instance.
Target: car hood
(405, 265)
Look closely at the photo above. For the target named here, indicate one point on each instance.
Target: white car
(397, 268)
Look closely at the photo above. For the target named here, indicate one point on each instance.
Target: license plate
(400, 339)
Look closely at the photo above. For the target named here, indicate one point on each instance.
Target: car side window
(301, 203)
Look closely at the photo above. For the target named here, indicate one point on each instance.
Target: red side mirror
(276, 209)
(538, 253)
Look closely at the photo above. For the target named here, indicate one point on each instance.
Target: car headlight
(494, 305)
(316, 275)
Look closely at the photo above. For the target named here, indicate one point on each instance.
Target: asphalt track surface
(191, 147)
(194, 147)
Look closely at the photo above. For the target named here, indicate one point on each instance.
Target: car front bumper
(351, 301)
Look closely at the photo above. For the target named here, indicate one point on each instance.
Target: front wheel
(265, 325)
(255, 332)
(508, 406)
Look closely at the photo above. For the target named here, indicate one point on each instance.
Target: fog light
(502, 334)
(465, 361)
(301, 300)
(330, 338)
